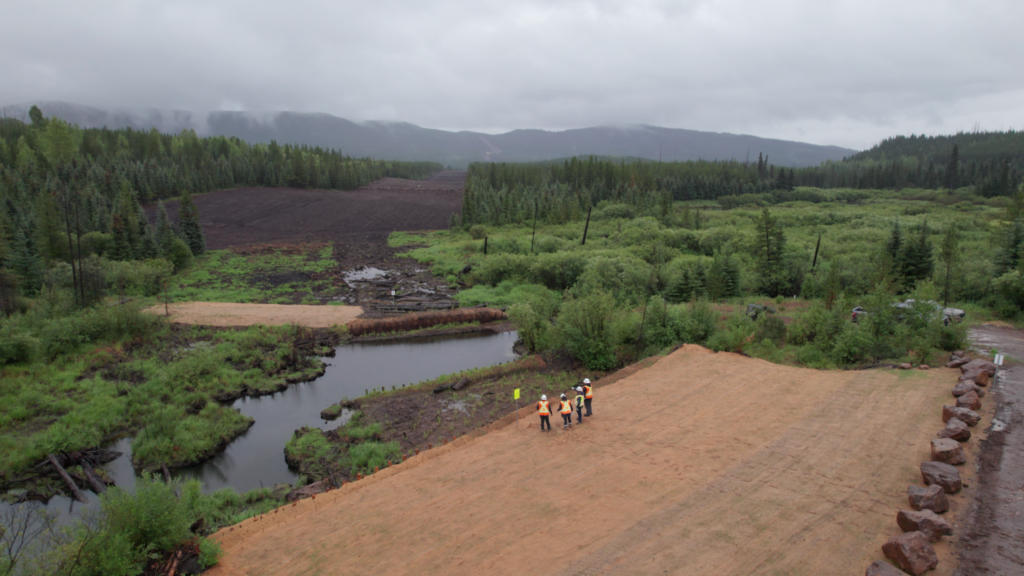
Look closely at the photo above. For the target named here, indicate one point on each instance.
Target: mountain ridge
(399, 140)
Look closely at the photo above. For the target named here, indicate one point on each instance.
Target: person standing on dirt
(588, 394)
(545, 413)
(579, 404)
(565, 409)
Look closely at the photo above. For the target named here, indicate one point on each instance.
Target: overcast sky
(824, 71)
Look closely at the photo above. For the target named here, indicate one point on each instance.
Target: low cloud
(831, 72)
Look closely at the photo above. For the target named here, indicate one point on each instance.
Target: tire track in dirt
(702, 463)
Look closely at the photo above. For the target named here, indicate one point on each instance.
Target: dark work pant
(545, 420)
(587, 401)
(567, 419)
(579, 415)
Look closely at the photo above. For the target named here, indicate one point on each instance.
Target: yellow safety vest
(542, 406)
(564, 407)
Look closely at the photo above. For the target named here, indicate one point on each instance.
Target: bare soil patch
(228, 314)
(703, 463)
(243, 216)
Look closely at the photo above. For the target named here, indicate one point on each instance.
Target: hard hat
(586, 380)
(563, 395)
(579, 388)
(543, 397)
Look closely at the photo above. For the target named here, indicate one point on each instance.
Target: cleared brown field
(243, 216)
(703, 464)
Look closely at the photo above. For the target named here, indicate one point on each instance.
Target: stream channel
(257, 457)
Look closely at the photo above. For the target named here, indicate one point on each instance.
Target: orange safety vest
(564, 407)
(589, 390)
(542, 406)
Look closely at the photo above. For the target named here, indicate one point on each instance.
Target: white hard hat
(543, 397)
(586, 380)
(563, 395)
(579, 388)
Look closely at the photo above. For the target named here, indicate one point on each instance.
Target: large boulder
(940, 474)
(879, 568)
(911, 552)
(969, 400)
(967, 386)
(926, 522)
(905, 366)
(956, 430)
(957, 362)
(980, 364)
(930, 498)
(948, 451)
(965, 415)
(978, 376)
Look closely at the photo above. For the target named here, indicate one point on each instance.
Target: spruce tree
(953, 170)
(191, 230)
(682, 288)
(732, 276)
(918, 260)
(894, 249)
(716, 286)
(25, 262)
(164, 231)
(769, 251)
(122, 247)
(1009, 251)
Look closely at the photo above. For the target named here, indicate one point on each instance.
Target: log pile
(420, 320)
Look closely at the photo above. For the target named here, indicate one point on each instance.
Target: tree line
(68, 193)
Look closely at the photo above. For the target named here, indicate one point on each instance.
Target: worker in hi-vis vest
(545, 412)
(579, 404)
(588, 394)
(565, 409)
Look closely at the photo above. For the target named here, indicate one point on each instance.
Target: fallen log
(167, 473)
(75, 492)
(98, 486)
(460, 384)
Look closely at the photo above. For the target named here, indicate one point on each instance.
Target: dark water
(258, 455)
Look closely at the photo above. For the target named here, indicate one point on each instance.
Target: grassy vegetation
(635, 262)
(91, 375)
(351, 449)
(299, 274)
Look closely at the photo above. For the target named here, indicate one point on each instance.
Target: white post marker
(515, 396)
(998, 360)
(393, 305)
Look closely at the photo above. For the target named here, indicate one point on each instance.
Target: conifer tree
(732, 276)
(191, 230)
(25, 262)
(918, 260)
(953, 170)
(682, 288)
(769, 251)
(948, 252)
(122, 247)
(716, 286)
(164, 231)
(1009, 251)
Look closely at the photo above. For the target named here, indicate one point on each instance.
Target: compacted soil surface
(992, 541)
(702, 463)
(229, 314)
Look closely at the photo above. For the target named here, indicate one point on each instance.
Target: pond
(257, 457)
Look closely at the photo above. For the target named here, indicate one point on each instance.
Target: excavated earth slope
(703, 463)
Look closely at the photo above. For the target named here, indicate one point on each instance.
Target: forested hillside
(988, 165)
(68, 193)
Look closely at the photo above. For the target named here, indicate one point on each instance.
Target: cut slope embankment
(703, 463)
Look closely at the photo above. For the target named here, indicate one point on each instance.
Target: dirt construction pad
(227, 314)
(703, 463)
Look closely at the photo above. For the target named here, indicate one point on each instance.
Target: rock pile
(912, 551)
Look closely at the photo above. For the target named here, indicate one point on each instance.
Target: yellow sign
(516, 397)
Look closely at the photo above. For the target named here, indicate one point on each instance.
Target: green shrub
(770, 327)
(153, 519)
(477, 232)
(531, 326)
(582, 327)
(210, 552)
(179, 254)
(363, 458)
